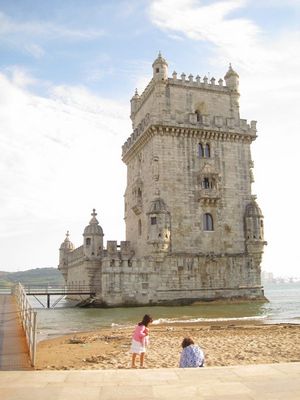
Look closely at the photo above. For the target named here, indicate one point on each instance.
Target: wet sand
(223, 345)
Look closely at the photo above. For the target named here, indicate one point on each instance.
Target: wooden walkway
(13, 346)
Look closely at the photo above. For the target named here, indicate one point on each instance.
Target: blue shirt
(191, 357)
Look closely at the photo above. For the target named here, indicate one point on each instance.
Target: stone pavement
(249, 382)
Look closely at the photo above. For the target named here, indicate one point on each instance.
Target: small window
(198, 115)
(157, 70)
(207, 151)
(139, 193)
(200, 151)
(140, 227)
(206, 183)
(208, 222)
(153, 220)
(88, 241)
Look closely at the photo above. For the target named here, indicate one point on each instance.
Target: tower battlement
(198, 105)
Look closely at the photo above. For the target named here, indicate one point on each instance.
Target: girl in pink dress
(140, 340)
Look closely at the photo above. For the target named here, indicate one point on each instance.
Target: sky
(67, 72)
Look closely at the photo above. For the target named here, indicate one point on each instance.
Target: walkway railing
(28, 319)
(58, 291)
(31, 289)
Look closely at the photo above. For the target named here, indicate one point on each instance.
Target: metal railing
(28, 319)
(56, 289)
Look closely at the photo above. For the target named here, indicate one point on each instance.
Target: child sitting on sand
(140, 340)
(191, 356)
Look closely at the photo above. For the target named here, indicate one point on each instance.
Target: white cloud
(60, 157)
(205, 22)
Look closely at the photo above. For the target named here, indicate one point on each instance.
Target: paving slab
(248, 382)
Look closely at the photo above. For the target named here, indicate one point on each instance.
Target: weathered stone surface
(193, 228)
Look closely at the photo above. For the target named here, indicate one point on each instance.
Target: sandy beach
(223, 345)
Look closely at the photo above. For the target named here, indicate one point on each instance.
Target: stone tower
(189, 172)
(193, 228)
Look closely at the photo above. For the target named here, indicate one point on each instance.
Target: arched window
(200, 150)
(208, 224)
(88, 241)
(207, 151)
(140, 227)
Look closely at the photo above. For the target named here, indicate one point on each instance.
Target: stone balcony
(208, 196)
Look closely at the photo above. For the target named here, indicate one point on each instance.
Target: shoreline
(224, 344)
(41, 337)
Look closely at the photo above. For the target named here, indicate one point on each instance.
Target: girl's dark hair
(146, 320)
(186, 342)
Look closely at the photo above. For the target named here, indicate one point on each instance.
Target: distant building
(267, 277)
(194, 230)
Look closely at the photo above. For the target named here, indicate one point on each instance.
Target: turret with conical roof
(159, 224)
(134, 102)
(93, 237)
(232, 79)
(65, 248)
(67, 245)
(254, 226)
(160, 68)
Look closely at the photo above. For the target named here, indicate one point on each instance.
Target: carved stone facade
(194, 230)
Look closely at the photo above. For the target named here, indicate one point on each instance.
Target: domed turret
(134, 102)
(65, 248)
(253, 211)
(159, 225)
(93, 237)
(254, 226)
(67, 244)
(232, 79)
(160, 68)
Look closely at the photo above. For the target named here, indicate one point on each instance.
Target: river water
(283, 307)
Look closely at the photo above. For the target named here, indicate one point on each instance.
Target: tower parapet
(192, 107)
